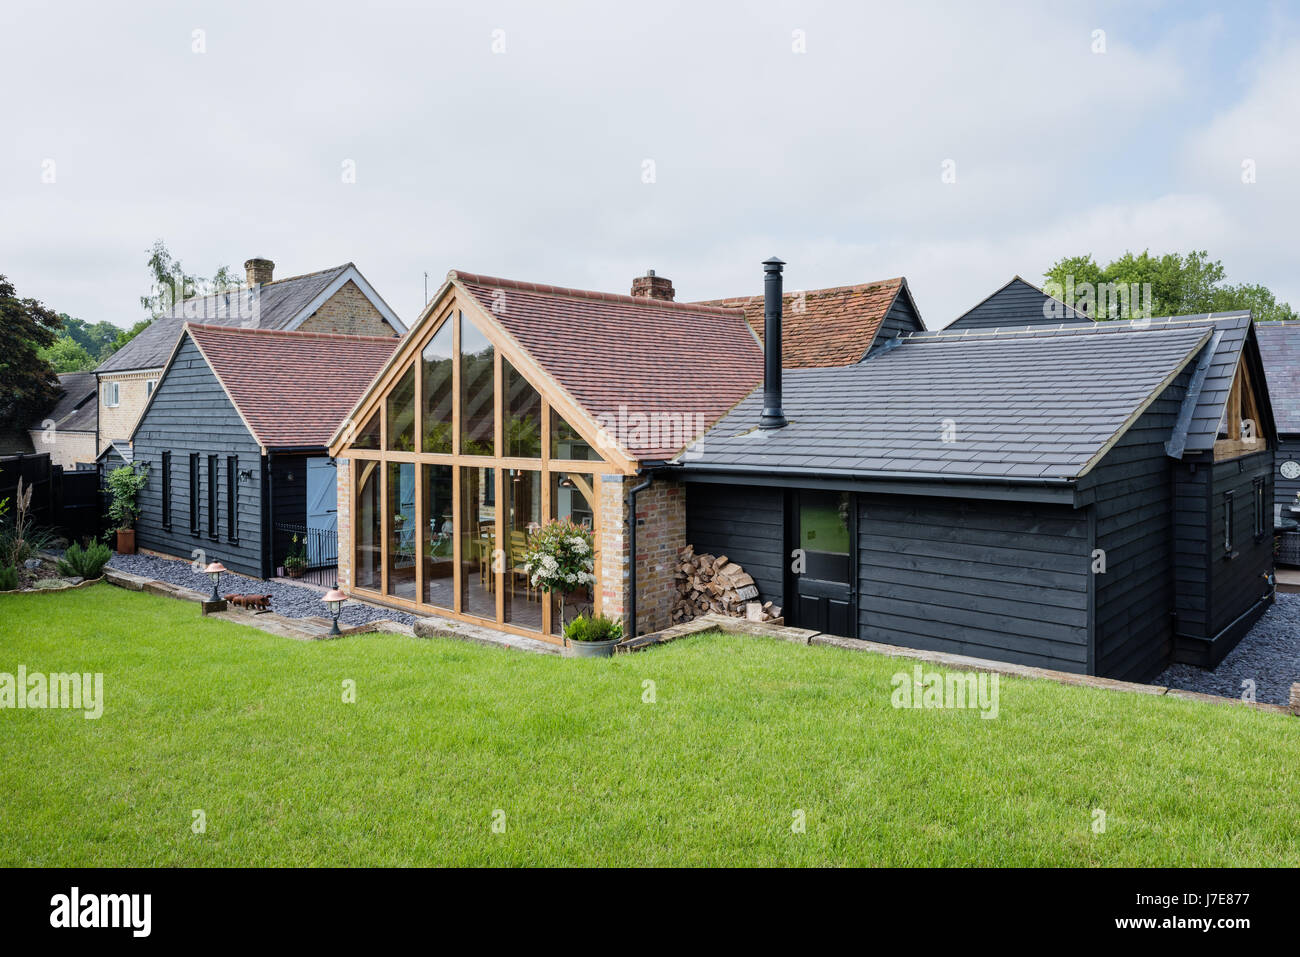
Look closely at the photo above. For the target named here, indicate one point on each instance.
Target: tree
(30, 385)
(1178, 285)
(97, 340)
(67, 355)
(173, 285)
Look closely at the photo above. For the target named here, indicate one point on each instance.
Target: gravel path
(290, 600)
(1269, 655)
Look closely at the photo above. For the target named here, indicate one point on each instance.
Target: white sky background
(528, 163)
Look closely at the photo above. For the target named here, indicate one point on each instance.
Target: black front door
(821, 564)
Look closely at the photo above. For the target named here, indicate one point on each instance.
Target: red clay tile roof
(292, 388)
(644, 355)
(832, 327)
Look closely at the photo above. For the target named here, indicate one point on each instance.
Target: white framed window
(149, 386)
(111, 394)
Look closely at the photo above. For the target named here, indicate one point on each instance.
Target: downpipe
(631, 544)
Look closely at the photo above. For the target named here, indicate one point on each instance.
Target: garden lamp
(334, 600)
(214, 571)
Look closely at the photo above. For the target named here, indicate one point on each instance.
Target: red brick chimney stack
(651, 286)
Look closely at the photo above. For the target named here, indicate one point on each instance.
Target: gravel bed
(1269, 655)
(291, 600)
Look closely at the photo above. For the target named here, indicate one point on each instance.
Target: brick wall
(65, 448)
(661, 533)
(119, 422)
(344, 473)
(612, 574)
(349, 312)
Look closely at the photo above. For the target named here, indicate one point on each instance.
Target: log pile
(715, 585)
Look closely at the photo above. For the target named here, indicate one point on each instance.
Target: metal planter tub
(592, 649)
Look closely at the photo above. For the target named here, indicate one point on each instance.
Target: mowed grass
(252, 729)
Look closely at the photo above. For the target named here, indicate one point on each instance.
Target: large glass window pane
(523, 603)
(478, 542)
(573, 499)
(368, 437)
(367, 527)
(401, 530)
(566, 443)
(436, 369)
(477, 391)
(523, 438)
(824, 534)
(401, 414)
(439, 553)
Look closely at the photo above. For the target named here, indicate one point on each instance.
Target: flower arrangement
(560, 558)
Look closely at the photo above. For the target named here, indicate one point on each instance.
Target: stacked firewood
(714, 584)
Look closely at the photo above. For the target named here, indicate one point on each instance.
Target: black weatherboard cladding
(999, 580)
(191, 413)
(1132, 493)
(1015, 305)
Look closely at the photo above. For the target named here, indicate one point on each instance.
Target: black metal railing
(317, 547)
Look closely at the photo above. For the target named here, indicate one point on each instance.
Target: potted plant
(559, 560)
(593, 637)
(295, 563)
(124, 486)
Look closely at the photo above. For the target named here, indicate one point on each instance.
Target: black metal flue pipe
(773, 416)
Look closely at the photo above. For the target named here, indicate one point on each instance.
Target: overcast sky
(515, 140)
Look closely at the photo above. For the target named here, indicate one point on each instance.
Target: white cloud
(528, 164)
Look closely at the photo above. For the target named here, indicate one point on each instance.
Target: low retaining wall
(802, 636)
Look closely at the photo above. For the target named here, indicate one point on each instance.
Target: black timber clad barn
(1279, 345)
(189, 419)
(1062, 496)
(231, 436)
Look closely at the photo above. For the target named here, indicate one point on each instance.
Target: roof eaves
(1177, 443)
(1146, 403)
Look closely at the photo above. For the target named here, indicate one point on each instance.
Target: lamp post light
(214, 571)
(334, 600)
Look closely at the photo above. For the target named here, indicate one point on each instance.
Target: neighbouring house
(68, 430)
(1279, 345)
(337, 300)
(513, 403)
(836, 326)
(234, 439)
(1083, 496)
(1015, 305)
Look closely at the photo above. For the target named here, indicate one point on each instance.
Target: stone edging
(316, 629)
(803, 636)
(41, 591)
(299, 629)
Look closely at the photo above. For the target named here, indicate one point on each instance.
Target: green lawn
(252, 729)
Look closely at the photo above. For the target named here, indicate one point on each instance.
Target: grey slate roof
(76, 409)
(1211, 400)
(275, 305)
(1036, 405)
(1017, 304)
(1279, 346)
